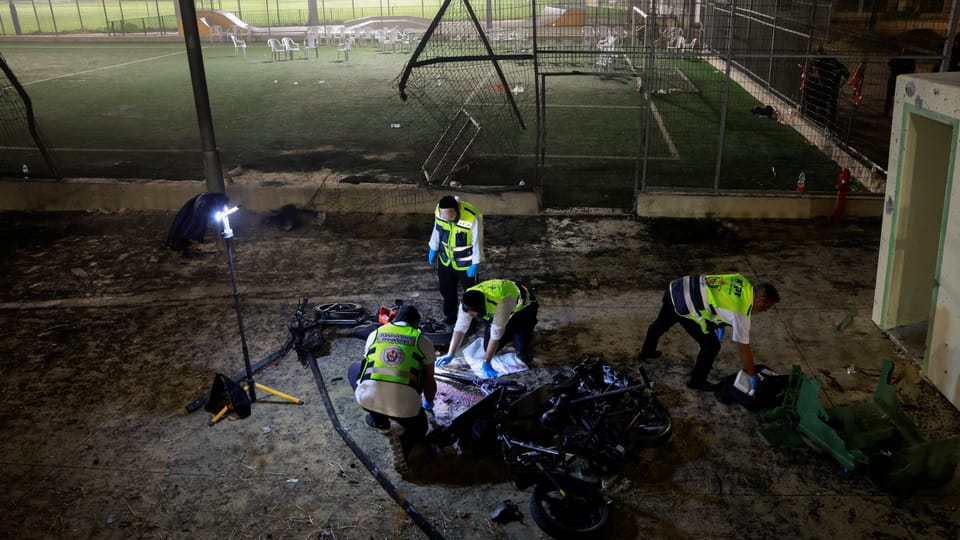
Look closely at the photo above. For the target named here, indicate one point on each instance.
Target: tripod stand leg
(220, 415)
(279, 394)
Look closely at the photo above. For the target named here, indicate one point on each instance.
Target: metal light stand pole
(227, 233)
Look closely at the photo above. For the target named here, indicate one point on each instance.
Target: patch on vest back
(393, 356)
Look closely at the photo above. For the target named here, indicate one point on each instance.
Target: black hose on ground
(391, 490)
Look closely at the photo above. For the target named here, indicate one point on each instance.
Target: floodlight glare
(223, 217)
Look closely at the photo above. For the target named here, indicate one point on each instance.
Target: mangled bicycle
(563, 438)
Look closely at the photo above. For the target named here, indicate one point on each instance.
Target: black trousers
(449, 279)
(519, 331)
(414, 427)
(709, 343)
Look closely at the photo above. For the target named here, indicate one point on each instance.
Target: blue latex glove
(444, 360)
(431, 256)
(754, 383)
(427, 405)
(472, 271)
(489, 372)
(720, 333)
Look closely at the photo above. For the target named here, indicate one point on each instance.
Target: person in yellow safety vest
(704, 305)
(509, 310)
(398, 368)
(457, 239)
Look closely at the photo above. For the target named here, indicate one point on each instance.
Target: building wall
(918, 271)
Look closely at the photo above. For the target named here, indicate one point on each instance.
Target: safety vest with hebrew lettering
(699, 297)
(394, 356)
(456, 238)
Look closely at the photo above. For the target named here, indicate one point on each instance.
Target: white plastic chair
(290, 46)
(238, 45)
(276, 48)
(311, 41)
(345, 49)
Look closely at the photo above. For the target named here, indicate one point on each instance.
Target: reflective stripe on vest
(456, 239)
(394, 356)
(699, 297)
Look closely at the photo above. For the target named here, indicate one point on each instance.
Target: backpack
(769, 392)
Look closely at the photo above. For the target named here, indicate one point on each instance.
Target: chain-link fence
(622, 96)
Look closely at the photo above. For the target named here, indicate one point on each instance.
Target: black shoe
(649, 356)
(703, 386)
(382, 428)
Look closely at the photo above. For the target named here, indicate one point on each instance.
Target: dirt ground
(107, 336)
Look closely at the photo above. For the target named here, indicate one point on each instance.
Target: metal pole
(251, 385)
(212, 169)
(106, 18)
(725, 103)
(53, 18)
(79, 15)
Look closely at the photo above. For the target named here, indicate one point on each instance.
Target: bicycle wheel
(653, 424)
(338, 311)
(569, 508)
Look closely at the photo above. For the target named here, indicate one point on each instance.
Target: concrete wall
(752, 206)
(163, 195)
(918, 271)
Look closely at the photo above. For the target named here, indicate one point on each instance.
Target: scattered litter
(266, 429)
(506, 512)
(292, 480)
(275, 81)
(321, 82)
(395, 126)
(852, 370)
(295, 83)
(847, 320)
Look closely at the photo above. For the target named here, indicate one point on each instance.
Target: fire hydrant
(842, 187)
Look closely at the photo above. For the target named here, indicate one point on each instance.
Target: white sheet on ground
(504, 363)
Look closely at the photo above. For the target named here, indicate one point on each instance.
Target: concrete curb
(82, 194)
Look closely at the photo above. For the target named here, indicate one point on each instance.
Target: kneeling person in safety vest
(397, 370)
(704, 305)
(509, 311)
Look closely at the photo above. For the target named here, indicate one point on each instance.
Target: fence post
(80, 15)
(53, 18)
(36, 15)
(123, 21)
(726, 96)
(106, 18)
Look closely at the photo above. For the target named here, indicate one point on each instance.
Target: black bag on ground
(769, 392)
(191, 221)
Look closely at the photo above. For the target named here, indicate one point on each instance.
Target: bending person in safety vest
(509, 311)
(398, 368)
(704, 305)
(457, 238)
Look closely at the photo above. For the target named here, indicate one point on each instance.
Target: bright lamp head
(223, 216)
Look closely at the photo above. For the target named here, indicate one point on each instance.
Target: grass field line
(595, 106)
(576, 156)
(672, 148)
(122, 150)
(65, 75)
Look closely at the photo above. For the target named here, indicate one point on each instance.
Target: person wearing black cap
(457, 239)
(397, 371)
(704, 304)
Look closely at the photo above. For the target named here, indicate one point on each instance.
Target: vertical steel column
(725, 102)
(212, 169)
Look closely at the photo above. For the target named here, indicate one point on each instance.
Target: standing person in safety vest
(509, 310)
(704, 305)
(398, 368)
(457, 238)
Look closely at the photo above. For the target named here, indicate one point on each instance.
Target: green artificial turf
(127, 110)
